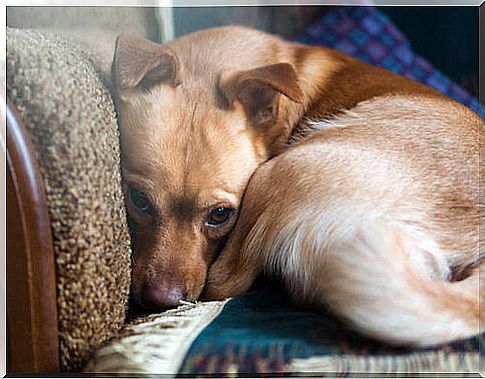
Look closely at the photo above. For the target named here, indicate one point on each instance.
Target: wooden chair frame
(32, 331)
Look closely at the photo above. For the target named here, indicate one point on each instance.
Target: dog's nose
(160, 296)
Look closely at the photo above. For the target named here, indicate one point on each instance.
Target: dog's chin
(139, 308)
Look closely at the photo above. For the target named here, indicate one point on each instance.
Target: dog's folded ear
(258, 90)
(140, 62)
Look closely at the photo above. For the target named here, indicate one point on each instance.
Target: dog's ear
(140, 62)
(258, 90)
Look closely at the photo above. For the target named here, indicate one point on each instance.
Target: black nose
(161, 296)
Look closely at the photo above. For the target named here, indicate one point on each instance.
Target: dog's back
(373, 212)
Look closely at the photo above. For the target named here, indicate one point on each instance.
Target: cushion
(156, 344)
(263, 332)
(67, 108)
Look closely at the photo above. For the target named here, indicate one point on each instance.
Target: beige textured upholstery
(65, 102)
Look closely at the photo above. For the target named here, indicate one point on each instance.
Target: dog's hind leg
(358, 258)
(350, 253)
(366, 274)
(363, 254)
(369, 281)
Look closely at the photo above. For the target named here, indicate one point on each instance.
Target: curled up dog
(244, 153)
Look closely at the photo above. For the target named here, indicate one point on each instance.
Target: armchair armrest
(62, 94)
(32, 335)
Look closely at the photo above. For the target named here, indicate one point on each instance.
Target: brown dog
(370, 207)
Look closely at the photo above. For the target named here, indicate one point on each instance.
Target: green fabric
(262, 331)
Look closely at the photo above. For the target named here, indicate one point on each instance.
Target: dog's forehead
(190, 150)
(209, 156)
(186, 176)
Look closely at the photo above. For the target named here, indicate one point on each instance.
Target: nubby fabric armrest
(64, 99)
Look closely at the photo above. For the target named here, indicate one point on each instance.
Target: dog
(243, 153)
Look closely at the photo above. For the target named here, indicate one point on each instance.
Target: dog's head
(197, 117)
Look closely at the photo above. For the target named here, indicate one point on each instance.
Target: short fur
(369, 206)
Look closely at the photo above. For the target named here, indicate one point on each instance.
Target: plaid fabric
(369, 35)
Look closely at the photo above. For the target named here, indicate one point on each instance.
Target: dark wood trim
(32, 332)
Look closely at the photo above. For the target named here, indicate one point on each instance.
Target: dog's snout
(162, 296)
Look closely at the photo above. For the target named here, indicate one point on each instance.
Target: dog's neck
(328, 92)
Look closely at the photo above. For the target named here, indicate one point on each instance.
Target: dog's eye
(219, 216)
(139, 199)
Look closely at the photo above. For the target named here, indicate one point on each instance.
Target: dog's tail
(374, 281)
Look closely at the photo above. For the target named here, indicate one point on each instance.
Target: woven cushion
(263, 332)
(67, 108)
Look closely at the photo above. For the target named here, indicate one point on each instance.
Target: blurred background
(447, 37)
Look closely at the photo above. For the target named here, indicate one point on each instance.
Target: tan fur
(369, 224)
(369, 206)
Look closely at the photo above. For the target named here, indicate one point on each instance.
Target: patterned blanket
(263, 332)
(369, 35)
